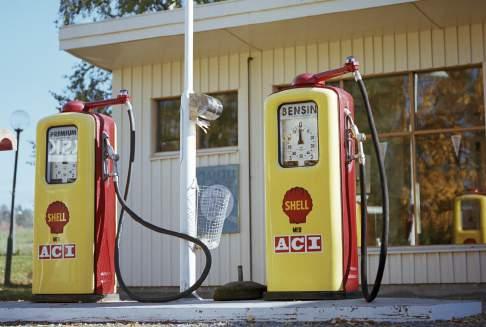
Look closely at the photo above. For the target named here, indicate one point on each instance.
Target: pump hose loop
(140, 220)
(385, 204)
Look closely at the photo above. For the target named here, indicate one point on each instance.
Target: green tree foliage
(23, 216)
(4, 214)
(87, 82)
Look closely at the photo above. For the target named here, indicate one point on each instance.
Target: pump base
(67, 298)
(288, 296)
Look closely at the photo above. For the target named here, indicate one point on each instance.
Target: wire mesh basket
(212, 210)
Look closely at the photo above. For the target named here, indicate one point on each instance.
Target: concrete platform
(185, 311)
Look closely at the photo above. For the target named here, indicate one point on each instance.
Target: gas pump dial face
(62, 153)
(299, 138)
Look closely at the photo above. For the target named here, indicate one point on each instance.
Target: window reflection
(396, 153)
(168, 124)
(390, 100)
(443, 173)
(448, 99)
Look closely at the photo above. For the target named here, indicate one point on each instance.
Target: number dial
(299, 143)
(62, 154)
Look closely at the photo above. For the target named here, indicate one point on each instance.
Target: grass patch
(16, 293)
(22, 241)
(21, 274)
(21, 277)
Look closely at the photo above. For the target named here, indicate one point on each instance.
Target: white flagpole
(188, 182)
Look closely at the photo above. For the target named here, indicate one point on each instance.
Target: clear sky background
(31, 64)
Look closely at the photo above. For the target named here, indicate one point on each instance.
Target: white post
(188, 184)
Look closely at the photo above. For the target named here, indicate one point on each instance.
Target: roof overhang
(238, 25)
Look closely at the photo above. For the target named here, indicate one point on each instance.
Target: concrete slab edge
(161, 313)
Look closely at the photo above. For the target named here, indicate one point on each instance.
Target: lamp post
(19, 120)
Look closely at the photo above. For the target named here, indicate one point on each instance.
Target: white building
(424, 62)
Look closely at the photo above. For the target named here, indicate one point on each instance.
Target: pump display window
(431, 127)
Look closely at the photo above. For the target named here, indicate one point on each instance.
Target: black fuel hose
(385, 204)
(152, 227)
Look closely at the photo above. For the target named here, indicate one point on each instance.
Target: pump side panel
(348, 192)
(105, 218)
(58, 267)
(294, 270)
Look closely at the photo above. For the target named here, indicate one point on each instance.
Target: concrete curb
(184, 311)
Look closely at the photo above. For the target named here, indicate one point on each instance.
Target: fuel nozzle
(109, 153)
(357, 136)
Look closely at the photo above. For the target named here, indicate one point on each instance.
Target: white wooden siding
(431, 265)
(151, 259)
(389, 53)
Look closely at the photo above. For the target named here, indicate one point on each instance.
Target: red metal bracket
(80, 106)
(350, 66)
(120, 99)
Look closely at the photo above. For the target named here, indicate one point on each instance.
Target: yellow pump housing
(303, 192)
(470, 227)
(63, 257)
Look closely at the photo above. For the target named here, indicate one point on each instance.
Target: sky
(31, 65)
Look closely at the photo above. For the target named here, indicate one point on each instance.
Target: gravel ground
(475, 321)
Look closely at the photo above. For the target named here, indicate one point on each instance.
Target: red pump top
(73, 106)
(307, 79)
(80, 106)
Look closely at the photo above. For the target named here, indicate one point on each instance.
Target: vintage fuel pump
(76, 237)
(311, 143)
(469, 225)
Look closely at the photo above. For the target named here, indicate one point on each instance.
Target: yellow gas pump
(75, 208)
(310, 141)
(76, 238)
(470, 219)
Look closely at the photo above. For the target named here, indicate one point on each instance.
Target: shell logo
(297, 203)
(57, 216)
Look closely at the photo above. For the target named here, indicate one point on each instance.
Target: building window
(222, 132)
(450, 147)
(390, 99)
(432, 135)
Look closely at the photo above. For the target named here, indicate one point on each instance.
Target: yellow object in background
(470, 219)
(63, 249)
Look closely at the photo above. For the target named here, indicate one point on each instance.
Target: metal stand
(8, 258)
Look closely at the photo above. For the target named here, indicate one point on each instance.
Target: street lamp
(19, 120)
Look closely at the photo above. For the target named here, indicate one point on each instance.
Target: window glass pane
(449, 98)
(168, 124)
(62, 155)
(444, 171)
(390, 102)
(470, 212)
(397, 165)
(222, 132)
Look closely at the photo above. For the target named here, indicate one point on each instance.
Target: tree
(24, 217)
(87, 82)
(4, 214)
